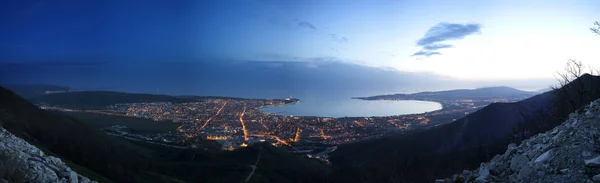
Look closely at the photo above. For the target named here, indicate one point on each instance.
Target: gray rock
(554, 157)
(596, 178)
(539, 147)
(517, 162)
(563, 171)
(510, 149)
(594, 162)
(557, 136)
(536, 140)
(497, 168)
(541, 173)
(83, 179)
(572, 115)
(73, 177)
(64, 174)
(33, 163)
(525, 172)
(484, 173)
(544, 158)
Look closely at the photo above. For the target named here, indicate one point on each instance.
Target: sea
(343, 105)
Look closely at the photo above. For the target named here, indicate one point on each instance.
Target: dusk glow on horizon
(490, 40)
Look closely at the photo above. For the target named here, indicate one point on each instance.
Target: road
(244, 125)
(208, 120)
(253, 167)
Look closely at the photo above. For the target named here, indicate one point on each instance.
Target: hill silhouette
(70, 138)
(101, 99)
(420, 156)
(463, 144)
(119, 160)
(33, 90)
(473, 94)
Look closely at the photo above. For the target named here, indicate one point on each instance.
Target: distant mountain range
(100, 99)
(419, 156)
(249, 79)
(33, 90)
(466, 94)
(463, 144)
(106, 158)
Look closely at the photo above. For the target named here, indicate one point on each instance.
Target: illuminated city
(237, 123)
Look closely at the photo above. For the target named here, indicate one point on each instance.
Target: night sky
(460, 39)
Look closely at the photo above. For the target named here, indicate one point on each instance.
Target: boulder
(33, 164)
(586, 154)
(554, 156)
(484, 173)
(73, 177)
(594, 162)
(510, 149)
(596, 178)
(544, 158)
(525, 171)
(517, 162)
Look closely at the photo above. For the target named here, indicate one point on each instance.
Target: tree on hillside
(576, 92)
(573, 93)
(597, 28)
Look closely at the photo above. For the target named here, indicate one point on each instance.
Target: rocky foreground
(22, 162)
(568, 153)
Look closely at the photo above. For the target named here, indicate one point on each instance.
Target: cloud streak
(307, 25)
(339, 39)
(437, 46)
(426, 53)
(448, 31)
(303, 24)
(334, 37)
(444, 32)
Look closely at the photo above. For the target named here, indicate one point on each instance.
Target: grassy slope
(124, 161)
(463, 144)
(137, 124)
(101, 99)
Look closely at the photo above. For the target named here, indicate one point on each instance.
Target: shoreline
(280, 113)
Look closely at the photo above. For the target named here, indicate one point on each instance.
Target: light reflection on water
(347, 107)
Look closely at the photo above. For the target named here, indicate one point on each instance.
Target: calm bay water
(322, 91)
(347, 107)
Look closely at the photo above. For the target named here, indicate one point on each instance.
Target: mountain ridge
(462, 144)
(478, 93)
(258, 79)
(100, 99)
(121, 160)
(567, 153)
(21, 161)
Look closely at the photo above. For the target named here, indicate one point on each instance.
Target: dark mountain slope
(124, 161)
(474, 94)
(33, 90)
(463, 144)
(100, 99)
(71, 139)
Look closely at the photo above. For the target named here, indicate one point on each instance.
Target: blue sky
(472, 40)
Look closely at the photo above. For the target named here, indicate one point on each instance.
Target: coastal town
(237, 123)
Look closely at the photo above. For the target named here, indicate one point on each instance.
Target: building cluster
(236, 123)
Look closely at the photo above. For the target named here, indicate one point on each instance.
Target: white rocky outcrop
(29, 164)
(568, 153)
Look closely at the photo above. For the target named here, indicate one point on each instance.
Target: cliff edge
(22, 162)
(568, 153)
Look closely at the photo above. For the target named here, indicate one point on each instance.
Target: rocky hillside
(22, 162)
(568, 153)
